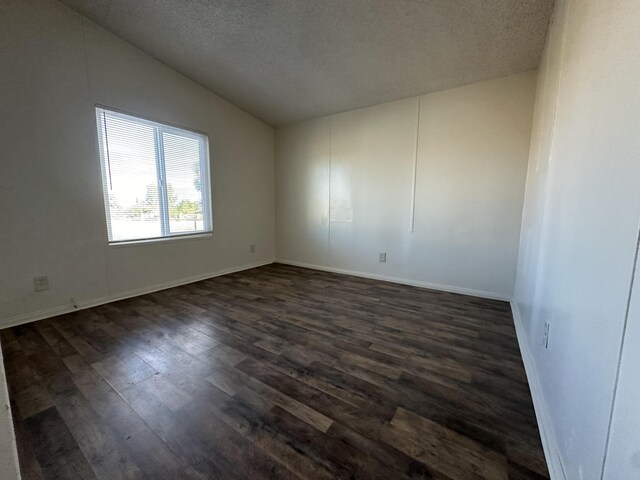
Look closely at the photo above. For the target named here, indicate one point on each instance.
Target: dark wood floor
(275, 372)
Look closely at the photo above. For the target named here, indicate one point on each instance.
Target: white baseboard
(549, 444)
(94, 302)
(404, 281)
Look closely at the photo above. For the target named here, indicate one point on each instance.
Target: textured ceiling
(290, 60)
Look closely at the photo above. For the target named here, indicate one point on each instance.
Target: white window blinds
(155, 178)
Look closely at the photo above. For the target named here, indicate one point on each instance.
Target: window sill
(151, 241)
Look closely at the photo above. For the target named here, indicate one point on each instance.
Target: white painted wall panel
(302, 180)
(473, 145)
(581, 219)
(372, 154)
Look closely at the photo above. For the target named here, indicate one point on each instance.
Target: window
(155, 178)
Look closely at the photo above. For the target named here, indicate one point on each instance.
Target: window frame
(159, 128)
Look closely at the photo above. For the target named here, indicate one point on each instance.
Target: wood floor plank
(179, 436)
(100, 447)
(443, 449)
(275, 372)
(231, 381)
(281, 444)
(151, 454)
(248, 458)
(59, 455)
(123, 372)
(29, 464)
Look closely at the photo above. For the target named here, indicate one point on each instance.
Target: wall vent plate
(252, 248)
(40, 284)
(383, 257)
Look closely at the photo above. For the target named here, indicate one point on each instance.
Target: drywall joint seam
(545, 427)
(96, 138)
(412, 212)
(329, 186)
(620, 353)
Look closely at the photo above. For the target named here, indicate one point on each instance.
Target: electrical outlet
(40, 284)
(252, 248)
(383, 257)
(547, 328)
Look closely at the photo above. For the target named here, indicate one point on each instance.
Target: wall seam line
(96, 144)
(620, 353)
(412, 211)
(329, 186)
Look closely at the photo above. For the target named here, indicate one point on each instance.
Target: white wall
(56, 65)
(344, 187)
(579, 234)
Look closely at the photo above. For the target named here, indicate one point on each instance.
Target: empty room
(319, 239)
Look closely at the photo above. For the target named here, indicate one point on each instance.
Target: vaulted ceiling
(290, 60)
